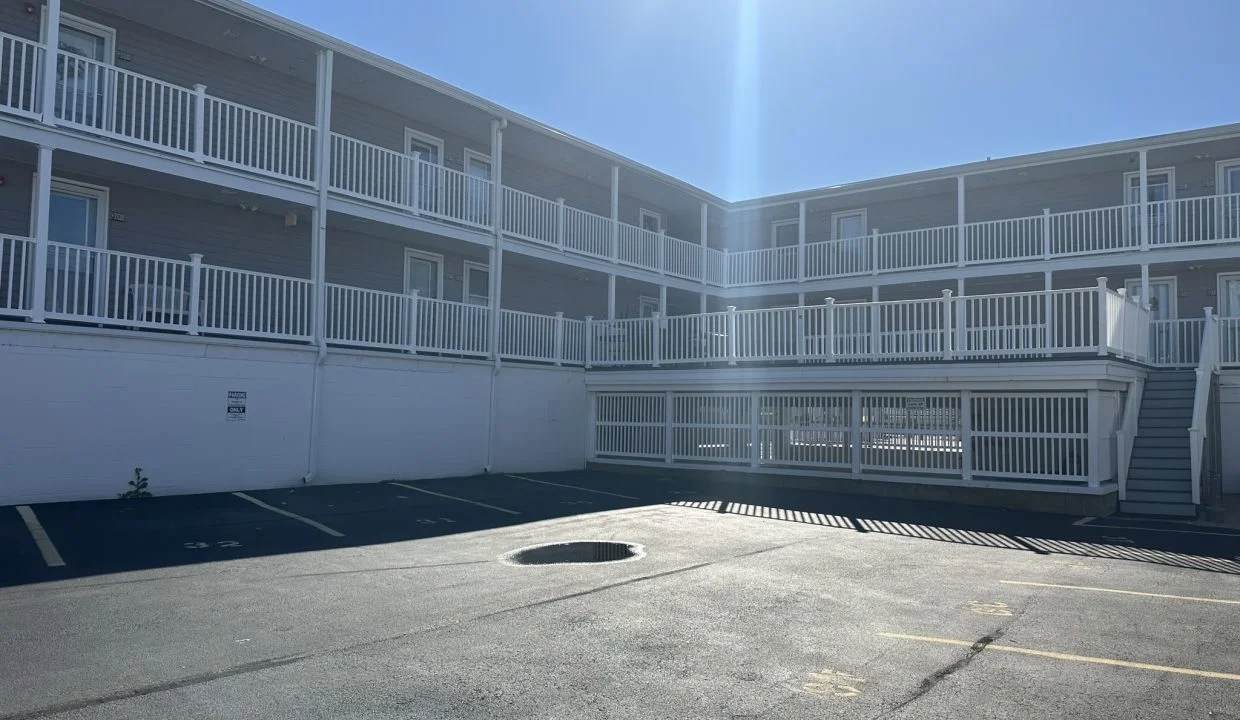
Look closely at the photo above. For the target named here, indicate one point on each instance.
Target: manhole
(574, 553)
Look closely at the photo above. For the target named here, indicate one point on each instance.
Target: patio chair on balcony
(159, 304)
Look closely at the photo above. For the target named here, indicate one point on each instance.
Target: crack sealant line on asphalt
(572, 487)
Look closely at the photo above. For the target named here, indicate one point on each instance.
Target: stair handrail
(1207, 366)
(1127, 434)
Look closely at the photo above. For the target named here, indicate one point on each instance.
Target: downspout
(497, 276)
(318, 256)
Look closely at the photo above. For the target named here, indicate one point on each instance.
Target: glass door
(74, 271)
(1229, 186)
(1157, 192)
(477, 189)
(82, 87)
(430, 188)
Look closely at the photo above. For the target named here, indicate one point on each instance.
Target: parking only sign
(236, 405)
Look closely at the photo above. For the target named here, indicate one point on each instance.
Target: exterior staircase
(1159, 475)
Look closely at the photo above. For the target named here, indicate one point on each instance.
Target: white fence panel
(1092, 231)
(530, 217)
(16, 262)
(682, 259)
(369, 172)
(105, 285)
(451, 327)
(1229, 341)
(1029, 436)
(629, 425)
(911, 432)
(21, 61)
(710, 427)
(240, 302)
(1176, 343)
(639, 247)
(924, 248)
(622, 342)
(805, 430)
(1002, 240)
(587, 233)
(527, 336)
(769, 334)
(574, 342)
(695, 338)
(768, 265)
(837, 258)
(910, 329)
(106, 100)
(453, 195)
(716, 267)
(242, 137)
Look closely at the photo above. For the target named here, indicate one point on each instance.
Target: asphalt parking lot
(386, 600)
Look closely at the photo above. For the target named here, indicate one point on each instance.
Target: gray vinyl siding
(185, 63)
(1062, 193)
(15, 198)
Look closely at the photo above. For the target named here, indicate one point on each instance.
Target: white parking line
(1084, 520)
(1081, 523)
(286, 513)
(51, 555)
(573, 487)
(453, 497)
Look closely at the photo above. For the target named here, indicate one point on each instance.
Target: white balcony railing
(128, 107)
(16, 261)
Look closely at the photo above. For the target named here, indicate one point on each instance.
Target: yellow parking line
(1122, 592)
(1066, 656)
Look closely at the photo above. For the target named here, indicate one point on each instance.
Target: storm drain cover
(574, 553)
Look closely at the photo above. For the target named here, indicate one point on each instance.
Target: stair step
(1178, 401)
(1150, 412)
(1168, 438)
(1155, 508)
(1166, 375)
(1181, 474)
(1144, 452)
(1160, 485)
(1160, 394)
(1158, 496)
(1188, 386)
(1165, 423)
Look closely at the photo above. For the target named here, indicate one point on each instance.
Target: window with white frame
(848, 224)
(429, 146)
(785, 233)
(849, 228)
(1159, 188)
(82, 88)
(477, 290)
(647, 306)
(1228, 184)
(650, 220)
(423, 272)
(1229, 294)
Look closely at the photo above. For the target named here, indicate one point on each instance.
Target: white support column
(1103, 331)
(960, 344)
(875, 321)
(800, 327)
(559, 224)
(200, 122)
(854, 433)
(1047, 251)
(318, 230)
(874, 251)
(615, 213)
(828, 331)
(51, 39)
(731, 334)
(702, 237)
(946, 330)
(656, 337)
(755, 436)
(801, 242)
(559, 337)
(42, 222)
(960, 239)
(1098, 440)
(195, 291)
(1145, 284)
(663, 300)
(1048, 311)
(496, 267)
(1144, 200)
(966, 435)
(668, 436)
(611, 297)
(702, 303)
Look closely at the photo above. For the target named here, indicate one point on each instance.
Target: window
(1159, 188)
(785, 233)
(477, 289)
(1229, 294)
(649, 220)
(477, 189)
(423, 272)
(849, 224)
(77, 216)
(429, 146)
(82, 88)
(1228, 183)
(1162, 296)
(647, 306)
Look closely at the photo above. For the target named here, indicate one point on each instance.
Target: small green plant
(137, 486)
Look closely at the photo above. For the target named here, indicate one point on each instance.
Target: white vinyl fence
(1039, 437)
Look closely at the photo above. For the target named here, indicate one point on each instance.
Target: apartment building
(240, 253)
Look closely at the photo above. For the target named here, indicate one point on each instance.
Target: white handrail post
(854, 433)
(662, 259)
(800, 333)
(668, 439)
(51, 45)
(966, 434)
(727, 268)
(195, 289)
(655, 337)
(589, 340)
(559, 224)
(874, 251)
(413, 320)
(731, 330)
(1046, 233)
(829, 328)
(615, 213)
(1103, 333)
(42, 224)
(200, 122)
(801, 241)
(559, 337)
(415, 203)
(947, 324)
(755, 438)
(1143, 202)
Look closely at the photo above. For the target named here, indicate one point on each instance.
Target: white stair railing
(1206, 369)
(1127, 433)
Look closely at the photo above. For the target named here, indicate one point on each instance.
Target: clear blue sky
(755, 97)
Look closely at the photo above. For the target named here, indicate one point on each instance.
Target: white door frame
(643, 213)
(465, 293)
(1223, 277)
(100, 192)
(411, 134)
(644, 301)
(429, 257)
(1136, 174)
(776, 224)
(1132, 284)
(88, 26)
(865, 222)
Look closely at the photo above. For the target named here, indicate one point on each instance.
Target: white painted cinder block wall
(1229, 418)
(83, 408)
